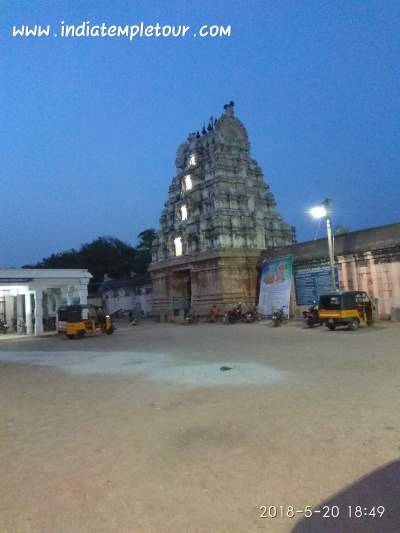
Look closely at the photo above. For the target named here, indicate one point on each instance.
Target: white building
(133, 294)
(30, 297)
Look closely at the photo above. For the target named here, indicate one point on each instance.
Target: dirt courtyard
(142, 432)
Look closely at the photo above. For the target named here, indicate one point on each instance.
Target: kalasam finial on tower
(229, 109)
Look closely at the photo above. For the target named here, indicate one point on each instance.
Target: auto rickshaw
(346, 309)
(75, 321)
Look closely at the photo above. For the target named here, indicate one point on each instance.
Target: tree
(105, 255)
(146, 239)
(143, 258)
(67, 259)
(108, 255)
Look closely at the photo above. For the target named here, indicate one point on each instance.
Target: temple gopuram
(220, 215)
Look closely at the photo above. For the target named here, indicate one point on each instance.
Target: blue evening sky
(89, 127)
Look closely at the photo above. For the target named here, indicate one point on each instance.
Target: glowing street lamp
(318, 212)
(324, 211)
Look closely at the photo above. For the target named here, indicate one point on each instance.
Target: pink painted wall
(379, 280)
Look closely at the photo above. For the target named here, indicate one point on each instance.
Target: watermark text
(131, 32)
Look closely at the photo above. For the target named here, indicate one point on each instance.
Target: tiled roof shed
(376, 240)
(139, 280)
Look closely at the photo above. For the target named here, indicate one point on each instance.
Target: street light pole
(327, 204)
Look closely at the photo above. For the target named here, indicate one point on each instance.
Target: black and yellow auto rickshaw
(346, 309)
(75, 321)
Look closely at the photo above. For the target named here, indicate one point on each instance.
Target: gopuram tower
(219, 216)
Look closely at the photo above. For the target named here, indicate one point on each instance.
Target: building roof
(370, 239)
(40, 273)
(139, 280)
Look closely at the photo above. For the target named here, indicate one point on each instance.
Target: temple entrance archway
(181, 292)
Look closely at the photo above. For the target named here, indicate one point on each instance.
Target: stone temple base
(222, 277)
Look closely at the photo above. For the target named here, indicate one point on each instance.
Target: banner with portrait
(275, 285)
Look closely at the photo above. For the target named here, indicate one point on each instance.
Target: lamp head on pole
(318, 212)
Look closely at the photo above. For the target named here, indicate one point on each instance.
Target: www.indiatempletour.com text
(89, 30)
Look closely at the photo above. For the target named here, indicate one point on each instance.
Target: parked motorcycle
(251, 314)
(191, 317)
(279, 317)
(311, 317)
(133, 318)
(233, 315)
(4, 327)
(239, 314)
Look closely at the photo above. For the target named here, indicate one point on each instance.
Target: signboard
(312, 281)
(275, 285)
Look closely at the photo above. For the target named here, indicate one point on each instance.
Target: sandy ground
(142, 431)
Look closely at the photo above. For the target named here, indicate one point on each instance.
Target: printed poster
(275, 285)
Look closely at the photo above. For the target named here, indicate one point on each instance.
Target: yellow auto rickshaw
(75, 321)
(349, 309)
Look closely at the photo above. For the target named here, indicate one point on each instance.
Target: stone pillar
(83, 294)
(70, 295)
(20, 313)
(28, 314)
(10, 310)
(58, 297)
(64, 296)
(38, 312)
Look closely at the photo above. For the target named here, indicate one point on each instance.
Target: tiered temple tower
(219, 216)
